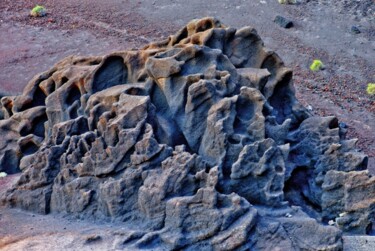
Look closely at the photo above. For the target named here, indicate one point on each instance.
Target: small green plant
(3, 174)
(371, 89)
(38, 11)
(316, 65)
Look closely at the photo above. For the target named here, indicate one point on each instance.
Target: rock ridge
(198, 140)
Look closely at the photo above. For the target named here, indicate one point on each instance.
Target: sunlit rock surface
(197, 140)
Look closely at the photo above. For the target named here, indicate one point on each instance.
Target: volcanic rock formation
(197, 140)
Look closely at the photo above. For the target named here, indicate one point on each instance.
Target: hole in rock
(182, 35)
(245, 109)
(113, 72)
(296, 189)
(113, 136)
(271, 64)
(51, 87)
(363, 165)
(8, 107)
(234, 140)
(73, 111)
(38, 127)
(29, 148)
(266, 111)
(64, 80)
(281, 99)
(136, 91)
(279, 169)
(334, 123)
(24, 131)
(10, 161)
(73, 95)
(239, 126)
(204, 26)
(168, 131)
(370, 230)
(38, 99)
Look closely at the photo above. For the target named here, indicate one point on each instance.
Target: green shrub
(371, 89)
(316, 65)
(38, 11)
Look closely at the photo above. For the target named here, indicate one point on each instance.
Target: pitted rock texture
(197, 140)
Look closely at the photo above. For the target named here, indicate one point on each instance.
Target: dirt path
(22, 230)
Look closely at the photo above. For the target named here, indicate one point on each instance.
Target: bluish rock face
(198, 140)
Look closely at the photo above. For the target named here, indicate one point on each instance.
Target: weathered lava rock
(197, 140)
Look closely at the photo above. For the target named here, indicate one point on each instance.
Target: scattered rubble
(283, 22)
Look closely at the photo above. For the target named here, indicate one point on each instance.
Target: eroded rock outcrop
(197, 140)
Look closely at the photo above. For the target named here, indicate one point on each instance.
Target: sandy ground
(94, 27)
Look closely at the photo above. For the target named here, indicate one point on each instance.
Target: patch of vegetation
(38, 11)
(371, 89)
(317, 65)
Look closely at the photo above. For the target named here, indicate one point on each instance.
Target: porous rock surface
(197, 140)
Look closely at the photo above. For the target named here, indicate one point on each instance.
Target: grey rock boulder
(198, 140)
